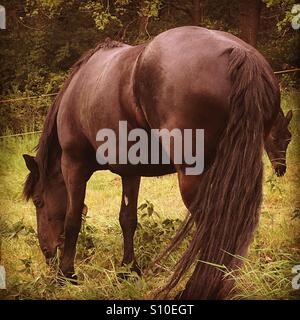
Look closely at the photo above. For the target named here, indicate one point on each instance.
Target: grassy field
(266, 273)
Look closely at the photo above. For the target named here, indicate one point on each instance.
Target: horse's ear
(30, 163)
(289, 116)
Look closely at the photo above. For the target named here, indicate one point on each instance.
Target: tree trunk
(249, 20)
(197, 12)
(143, 19)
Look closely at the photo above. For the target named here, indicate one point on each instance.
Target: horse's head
(50, 200)
(277, 142)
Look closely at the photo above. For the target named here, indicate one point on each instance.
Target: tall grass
(266, 273)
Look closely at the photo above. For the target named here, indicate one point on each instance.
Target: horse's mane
(48, 143)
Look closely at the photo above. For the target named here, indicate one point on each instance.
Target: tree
(197, 12)
(249, 20)
(147, 9)
(194, 9)
(143, 18)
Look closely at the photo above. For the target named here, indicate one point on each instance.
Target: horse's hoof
(137, 269)
(68, 278)
(73, 279)
(126, 275)
(123, 275)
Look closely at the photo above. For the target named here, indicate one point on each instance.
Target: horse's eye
(38, 202)
(274, 139)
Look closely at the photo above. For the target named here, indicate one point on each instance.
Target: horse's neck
(280, 118)
(52, 165)
(55, 161)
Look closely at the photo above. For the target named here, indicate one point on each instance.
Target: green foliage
(150, 8)
(153, 233)
(87, 240)
(100, 13)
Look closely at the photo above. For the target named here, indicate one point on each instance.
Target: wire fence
(29, 98)
(56, 93)
(20, 134)
(287, 71)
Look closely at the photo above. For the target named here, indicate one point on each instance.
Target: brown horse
(187, 77)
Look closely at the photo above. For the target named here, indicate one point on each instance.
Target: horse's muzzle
(280, 170)
(50, 256)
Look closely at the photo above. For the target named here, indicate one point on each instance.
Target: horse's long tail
(226, 208)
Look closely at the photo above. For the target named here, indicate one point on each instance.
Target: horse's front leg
(75, 177)
(128, 218)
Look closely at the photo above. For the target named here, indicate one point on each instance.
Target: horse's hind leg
(128, 218)
(189, 188)
(188, 185)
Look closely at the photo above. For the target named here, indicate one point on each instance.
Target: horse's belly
(144, 170)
